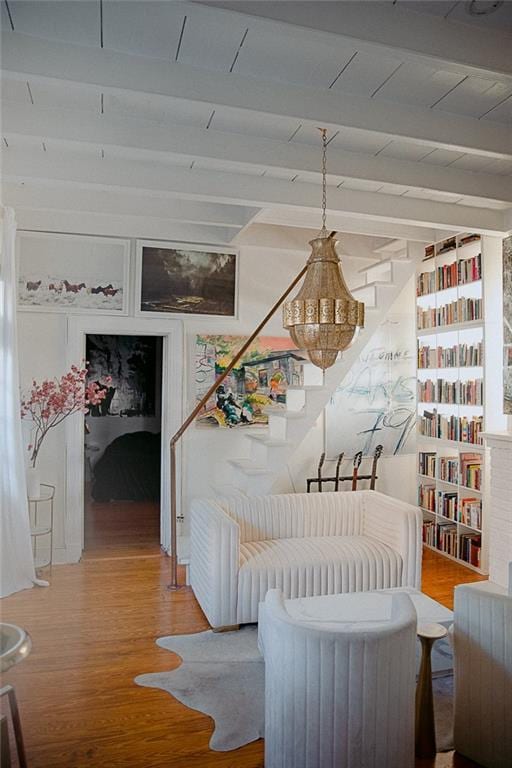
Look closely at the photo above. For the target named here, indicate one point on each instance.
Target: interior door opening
(122, 453)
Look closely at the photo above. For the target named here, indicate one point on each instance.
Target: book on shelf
(427, 497)
(462, 310)
(469, 270)
(429, 532)
(430, 252)
(466, 239)
(471, 470)
(427, 463)
(459, 355)
(447, 245)
(470, 512)
(425, 283)
(447, 538)
(451, 392)
(449, 469)
(446, 276)
(470, 547)
(447, 504)
(457, 428)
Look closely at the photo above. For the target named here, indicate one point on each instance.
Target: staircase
(268, 451)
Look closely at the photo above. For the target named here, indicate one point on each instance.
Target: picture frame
(187, 292)
(72, 274)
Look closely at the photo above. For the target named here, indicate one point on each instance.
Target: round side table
(425, 740)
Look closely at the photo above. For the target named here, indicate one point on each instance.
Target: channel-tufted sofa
(304, 544)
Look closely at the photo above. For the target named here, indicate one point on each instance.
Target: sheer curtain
(17, 566)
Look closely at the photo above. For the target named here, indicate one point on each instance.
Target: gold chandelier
(323, 318)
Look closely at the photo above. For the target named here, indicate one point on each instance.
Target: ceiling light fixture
(324, 318)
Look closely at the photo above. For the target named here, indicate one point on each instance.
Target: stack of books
(447, 538)
(471, 354)
(447, 504)
(429, 532)
(470, 548)
(446, 276)
(427, 463)
(449, 469)
(470, 513)
(470, 392)
(425, 283)
(427, 497)
(460, 311)
(471, 470)
(458, 428)
(470, 270)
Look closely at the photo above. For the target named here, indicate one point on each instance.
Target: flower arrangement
(53, 400)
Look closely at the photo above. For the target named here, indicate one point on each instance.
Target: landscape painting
(70, 273)
(375, 404)
(260, 379)
(186, 279)
(507, 325)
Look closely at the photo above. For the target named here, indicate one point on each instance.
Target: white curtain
(17, 566)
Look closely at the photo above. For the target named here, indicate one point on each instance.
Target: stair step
(247, 466)
(270, 442)
(383, 263)
(269, 411)
(374, 283)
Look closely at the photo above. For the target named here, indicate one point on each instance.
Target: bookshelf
(457, 375)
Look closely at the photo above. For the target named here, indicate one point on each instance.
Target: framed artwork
(376, 401)
(260, 379)
(182, 279)
(507, 325)
(72, 273)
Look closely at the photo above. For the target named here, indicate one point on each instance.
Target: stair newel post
(196, 411)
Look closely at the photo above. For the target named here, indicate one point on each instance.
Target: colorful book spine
(457, 428)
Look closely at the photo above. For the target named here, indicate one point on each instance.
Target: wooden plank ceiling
(192, 120)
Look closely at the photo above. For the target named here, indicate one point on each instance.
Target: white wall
(264, 274)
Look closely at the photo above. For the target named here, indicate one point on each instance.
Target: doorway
(122, 446)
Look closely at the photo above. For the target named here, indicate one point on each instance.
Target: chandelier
(323, 319)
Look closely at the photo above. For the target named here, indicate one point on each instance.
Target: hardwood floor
(121, 529)
(93, 631)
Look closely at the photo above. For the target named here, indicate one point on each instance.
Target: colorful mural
(261, 378)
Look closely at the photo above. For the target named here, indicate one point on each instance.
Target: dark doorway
(123, 446)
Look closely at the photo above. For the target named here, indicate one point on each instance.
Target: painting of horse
(72, 273)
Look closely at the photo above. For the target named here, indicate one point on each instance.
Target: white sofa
(340, 695)
(303, 544)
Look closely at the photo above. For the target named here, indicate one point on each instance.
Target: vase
(33, 482)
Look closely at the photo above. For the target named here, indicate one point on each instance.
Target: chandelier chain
(324, 180)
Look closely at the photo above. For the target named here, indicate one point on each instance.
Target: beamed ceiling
(194, 120)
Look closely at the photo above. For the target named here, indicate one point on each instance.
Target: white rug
(223, 676)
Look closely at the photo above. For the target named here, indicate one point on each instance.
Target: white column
(500, 506)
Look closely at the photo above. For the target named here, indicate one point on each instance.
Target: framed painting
(72, 273)
(183, 279)
(260, 379)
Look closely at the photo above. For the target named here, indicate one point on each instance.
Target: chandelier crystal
(323, 319)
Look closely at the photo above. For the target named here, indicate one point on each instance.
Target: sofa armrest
(214, 561)
(397, 524)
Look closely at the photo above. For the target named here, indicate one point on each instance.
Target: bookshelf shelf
(454, 364)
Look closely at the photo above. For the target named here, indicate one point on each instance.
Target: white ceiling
(455, 147)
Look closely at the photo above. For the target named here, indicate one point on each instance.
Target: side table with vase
(41, 524)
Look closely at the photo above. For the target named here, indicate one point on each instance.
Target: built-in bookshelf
(454, 404)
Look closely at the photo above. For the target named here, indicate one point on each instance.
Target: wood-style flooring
(121, 529)
(93, 631)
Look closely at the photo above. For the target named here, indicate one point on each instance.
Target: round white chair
(339, 694)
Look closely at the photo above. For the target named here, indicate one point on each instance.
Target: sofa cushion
(304, 567)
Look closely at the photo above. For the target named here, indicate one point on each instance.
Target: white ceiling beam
(234, 188)
(392, 29)
(143, 227)
(343, 223)
(72, 128)
(60, 197)
(35, 59)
